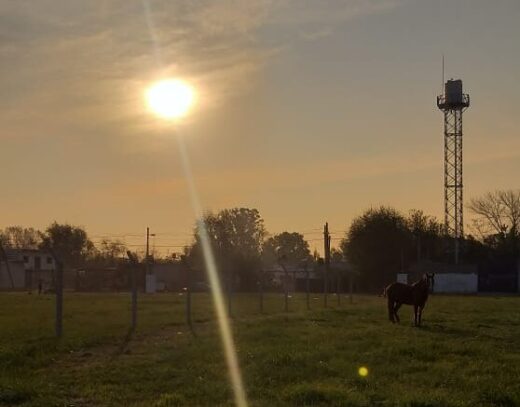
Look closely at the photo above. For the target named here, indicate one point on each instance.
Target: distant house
(12, 274)
(494, 276)
(92, 279)
(449, 278)
(341, 276)
(499, 275)
(171, 276)
(295, 277)
(27, 269)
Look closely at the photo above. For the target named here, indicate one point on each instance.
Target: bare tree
(112, 249)
(106, 253)
(18, 237)
(497, 213)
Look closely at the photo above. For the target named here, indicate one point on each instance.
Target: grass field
(466, 354)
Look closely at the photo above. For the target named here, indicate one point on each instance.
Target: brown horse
(415, 294)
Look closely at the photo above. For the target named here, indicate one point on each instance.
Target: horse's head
(430, 280)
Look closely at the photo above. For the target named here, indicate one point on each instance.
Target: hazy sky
(310, 111)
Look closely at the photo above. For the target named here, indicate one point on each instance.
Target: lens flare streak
(209, 259)
(216, 289)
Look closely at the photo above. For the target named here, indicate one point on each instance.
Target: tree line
(68, 242)
(378, 244)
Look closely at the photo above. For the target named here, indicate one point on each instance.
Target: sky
(309, 111)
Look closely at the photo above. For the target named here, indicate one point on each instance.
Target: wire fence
(31, 323)
(128, 297)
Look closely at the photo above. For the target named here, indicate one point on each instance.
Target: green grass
(466, 354)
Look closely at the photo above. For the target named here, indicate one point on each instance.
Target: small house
(27, 269)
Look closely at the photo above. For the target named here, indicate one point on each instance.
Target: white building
(27, 269)
(448, 279)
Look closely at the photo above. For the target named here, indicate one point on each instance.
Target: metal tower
(453, 103)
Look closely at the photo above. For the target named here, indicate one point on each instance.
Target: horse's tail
(383, 294)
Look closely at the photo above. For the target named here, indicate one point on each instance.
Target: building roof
(427, 266)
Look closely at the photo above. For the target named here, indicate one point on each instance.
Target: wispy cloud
(302, 12)
(316, 34)
(91, 59)
(82, 65)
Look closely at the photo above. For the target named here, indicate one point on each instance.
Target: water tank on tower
(453, 92)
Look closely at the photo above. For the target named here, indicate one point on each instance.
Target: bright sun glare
(170, 98)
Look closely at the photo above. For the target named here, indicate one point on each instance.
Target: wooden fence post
(133, 283)
(229, 292)
(3, 255)
(338, 287)
(59, 297)
(307, 287)
(326, 243)
(351, 288)
(261, 291)
(188, 292)
(286, 288)
(281, 262)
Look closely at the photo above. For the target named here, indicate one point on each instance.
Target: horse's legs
(391, 309)
(415, 314)
(396, 308)
(420, 315)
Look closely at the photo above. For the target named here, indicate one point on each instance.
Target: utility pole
(148, 234)
(148, 278)
(147, 250)
(326, 246)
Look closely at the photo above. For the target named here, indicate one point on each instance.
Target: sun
(170, 98)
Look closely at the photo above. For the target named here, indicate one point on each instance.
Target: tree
(236, 237)
(336, 256)
(497, 220)
(108, 252)
(291, 246)
(18, 237)
(428, 235)
(69, 243)
(377, 244)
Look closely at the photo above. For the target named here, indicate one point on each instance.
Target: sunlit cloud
(90, 60)
(73, 75)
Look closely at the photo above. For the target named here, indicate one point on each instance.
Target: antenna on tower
(442, 83)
